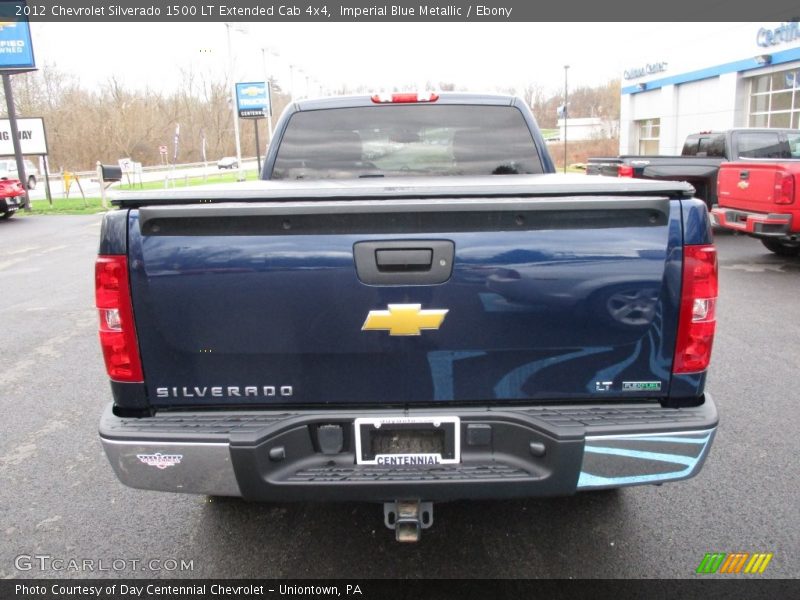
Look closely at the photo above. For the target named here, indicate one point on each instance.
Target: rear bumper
(10, 205)
(536, 451)
(755, 224)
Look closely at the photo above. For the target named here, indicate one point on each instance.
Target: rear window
(397, 140)
(705, 145)
(761, 145)
(794, 144)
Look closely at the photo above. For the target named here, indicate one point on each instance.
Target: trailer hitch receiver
(408, 518)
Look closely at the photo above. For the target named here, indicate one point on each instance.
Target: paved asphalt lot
(60, 498)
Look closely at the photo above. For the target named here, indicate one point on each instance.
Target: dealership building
(747, 76)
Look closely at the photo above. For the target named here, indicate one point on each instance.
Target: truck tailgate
(401, 302)
(756, 186)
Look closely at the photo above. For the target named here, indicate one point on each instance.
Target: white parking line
(10, 263)
(23, 250)
(52, 249)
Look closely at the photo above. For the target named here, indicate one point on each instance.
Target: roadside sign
(16, 49)
(31, 137)
(252, 100)
(162, 149)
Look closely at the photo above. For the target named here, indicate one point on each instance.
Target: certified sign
(252, 100)
(16, 50)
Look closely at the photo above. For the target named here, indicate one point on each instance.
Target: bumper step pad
(481, 472)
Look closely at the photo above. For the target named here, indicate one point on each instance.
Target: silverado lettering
(219, 391)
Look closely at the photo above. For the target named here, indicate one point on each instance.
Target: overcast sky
(478, 56)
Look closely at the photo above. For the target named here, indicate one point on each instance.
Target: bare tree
(117, 121)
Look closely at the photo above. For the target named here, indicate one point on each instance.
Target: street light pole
(301, 73)
(566, 115)
(240, 176)
(267, 87)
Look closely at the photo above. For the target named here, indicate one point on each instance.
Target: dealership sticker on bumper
(160, 461)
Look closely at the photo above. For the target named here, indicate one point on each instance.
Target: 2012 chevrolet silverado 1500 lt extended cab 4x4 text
(389, 319)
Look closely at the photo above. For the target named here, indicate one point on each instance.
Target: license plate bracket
(407, 441)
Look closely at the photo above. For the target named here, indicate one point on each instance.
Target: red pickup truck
(761, 199)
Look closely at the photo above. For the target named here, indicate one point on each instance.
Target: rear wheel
(31, 182)
(781, 247)
(6, 215)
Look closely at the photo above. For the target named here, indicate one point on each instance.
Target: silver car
(228, 162)
(8, 170)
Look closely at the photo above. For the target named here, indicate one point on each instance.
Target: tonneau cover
(498, 186)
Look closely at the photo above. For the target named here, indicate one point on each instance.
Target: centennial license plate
(408, 441)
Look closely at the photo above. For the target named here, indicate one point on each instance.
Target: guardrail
(150, 168)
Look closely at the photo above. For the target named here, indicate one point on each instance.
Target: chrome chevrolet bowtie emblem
(404, 319)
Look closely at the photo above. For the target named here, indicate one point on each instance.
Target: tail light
(404, 98)
(624, 171)
(698, 318)
(117, 329)
(784, 188)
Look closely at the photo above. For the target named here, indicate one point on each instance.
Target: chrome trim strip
(203, 468)
(605, 458)
(590, 438)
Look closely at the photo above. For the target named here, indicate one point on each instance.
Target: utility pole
(301, 73)
(12, 119)
(269, 90)
(566, 115)
(234, 108)
(258, 146)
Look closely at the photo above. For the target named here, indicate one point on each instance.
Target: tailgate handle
(412, 259)
(406, 262)
(744, 174)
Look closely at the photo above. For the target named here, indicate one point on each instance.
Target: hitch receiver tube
(408, 518)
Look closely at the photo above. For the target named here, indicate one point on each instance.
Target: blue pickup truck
(411, 308)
